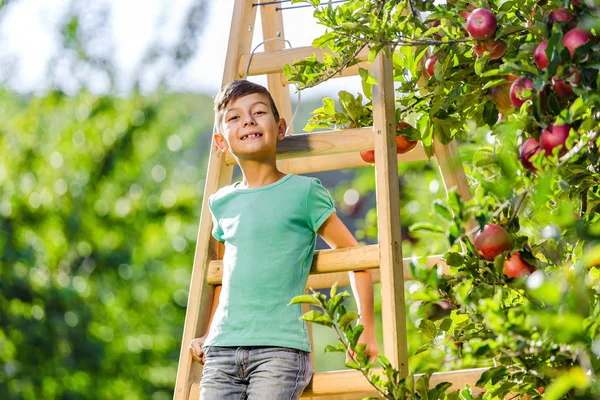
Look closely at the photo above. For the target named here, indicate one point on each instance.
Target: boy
(256, 346)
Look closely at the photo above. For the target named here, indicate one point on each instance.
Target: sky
(29, 37)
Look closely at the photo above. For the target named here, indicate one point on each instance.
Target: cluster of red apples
(517, 90)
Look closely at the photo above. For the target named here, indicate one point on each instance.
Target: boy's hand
(370, 341)
(195, 348)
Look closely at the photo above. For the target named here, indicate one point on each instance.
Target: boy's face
(249, 128)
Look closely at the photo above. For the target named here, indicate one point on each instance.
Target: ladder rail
(387, 191)
(200, 296)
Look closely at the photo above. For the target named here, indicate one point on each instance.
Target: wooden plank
(332, 150)
(321, 143)
(272, 27)
(388, 215)
(333, 265)
(272, 62)
(352, 385)
(336, 383)
(336, 162)
(218, 174)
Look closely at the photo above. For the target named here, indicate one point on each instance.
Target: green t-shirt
(270, 234)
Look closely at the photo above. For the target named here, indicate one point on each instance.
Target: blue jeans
(254, 373)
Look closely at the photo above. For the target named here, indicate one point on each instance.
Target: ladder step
(336, 162)
(272, 62)
(351, 384)
(330, 150)
(321, 143)
(330, 266)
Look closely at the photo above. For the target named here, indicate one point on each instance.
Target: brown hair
(233, 91)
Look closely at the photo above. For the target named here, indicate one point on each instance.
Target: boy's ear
(281, 128)
(220, 142)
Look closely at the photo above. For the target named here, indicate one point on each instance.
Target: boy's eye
(232, 118)
(260, 112)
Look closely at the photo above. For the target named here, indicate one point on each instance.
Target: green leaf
(366, 76)
(305, 299)
(318, 318)
(446, 324)
(426, 226)
(428, 328)
(577, 108)
(493, 374)
(454, 259)
(328, 106)
(560, 386)
(443, 210)
(339, 348)
(347, 319)
(423, 348)
(490, 113)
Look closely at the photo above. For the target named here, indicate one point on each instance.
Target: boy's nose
(249, 121)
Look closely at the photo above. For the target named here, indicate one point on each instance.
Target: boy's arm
(195, 346)
(337, 236)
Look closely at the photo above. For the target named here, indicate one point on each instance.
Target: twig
(584, 202)
(565, 159)
(349, 352)
(417, 101)
(427, 42)
(518, 205)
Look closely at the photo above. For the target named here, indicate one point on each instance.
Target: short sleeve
(319, 204)
(217, 232)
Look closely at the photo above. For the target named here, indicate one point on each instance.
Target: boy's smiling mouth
(251, 136)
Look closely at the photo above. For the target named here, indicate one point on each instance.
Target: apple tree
(516, 83)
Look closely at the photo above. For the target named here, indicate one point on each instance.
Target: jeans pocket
(207, 350)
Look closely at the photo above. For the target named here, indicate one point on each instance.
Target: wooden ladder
(305, 154)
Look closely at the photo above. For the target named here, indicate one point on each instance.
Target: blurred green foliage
(99, 206)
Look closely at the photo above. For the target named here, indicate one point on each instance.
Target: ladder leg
(218, 175)
(388, 215)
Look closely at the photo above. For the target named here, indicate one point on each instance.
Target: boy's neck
(257, 174)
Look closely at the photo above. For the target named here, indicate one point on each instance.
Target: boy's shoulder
(223, 192)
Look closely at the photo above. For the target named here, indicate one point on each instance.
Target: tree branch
(576, 149)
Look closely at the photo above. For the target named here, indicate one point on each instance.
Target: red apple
(576, 38)
(563, 87)
(481, 24)
(465, 14)
(403, 144)
(516, 267)
(430, 65)
(368, 156)
(492, 241)
(519, 86)
(530, 148)
(497, 48)
(555, 135)
(539, 55)
(501, 97)
(561, 15)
